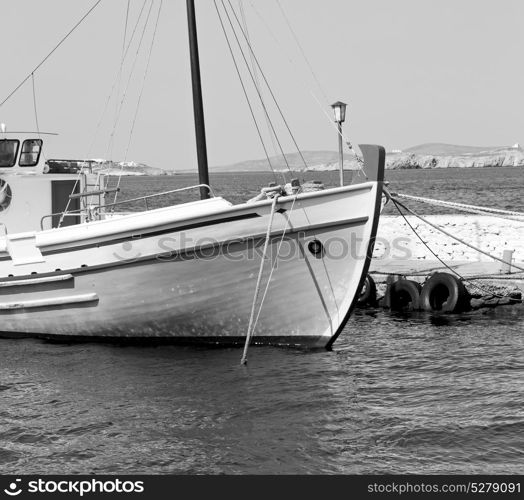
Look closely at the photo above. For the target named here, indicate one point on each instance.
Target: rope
(247, 96)
(117, 79)
(268, 86)
(35, 107)
(257, 82)
(124, 95)
(273, 267)
(321, 106)
(250, 327)
(397, 204)
(473, 208)
(50, 53)
(256, 88)
(140, 95)
(121, 63)
(438, 228)
(313, 74)
(95, 135)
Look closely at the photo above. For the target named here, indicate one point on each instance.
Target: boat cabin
(35, 191)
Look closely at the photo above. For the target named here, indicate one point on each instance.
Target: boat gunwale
(82, 230)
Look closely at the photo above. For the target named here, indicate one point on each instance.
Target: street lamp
(339, 109)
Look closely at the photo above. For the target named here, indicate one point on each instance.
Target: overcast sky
(412, 71)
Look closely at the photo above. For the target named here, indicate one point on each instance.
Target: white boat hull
(168, 276)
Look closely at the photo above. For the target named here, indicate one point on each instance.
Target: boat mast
(198, 107)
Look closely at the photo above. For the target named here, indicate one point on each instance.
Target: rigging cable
(302, 52)
(246, 94)
(321, 106)
(36, 114)
(50, 53)
(269, 87)
(106, 105)
(124, 95)
(252, 78)
(257, 80)
(250, 328)
(95, 135)
(140, 95)
(313, 74)
(121, 64)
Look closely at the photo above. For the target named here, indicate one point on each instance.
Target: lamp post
(339, 109)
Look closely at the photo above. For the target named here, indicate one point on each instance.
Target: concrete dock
(398, 251)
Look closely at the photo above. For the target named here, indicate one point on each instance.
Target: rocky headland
(431, 155)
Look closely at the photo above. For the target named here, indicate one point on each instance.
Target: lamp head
(339, 109)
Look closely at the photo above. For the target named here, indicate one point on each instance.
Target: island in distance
(431, 155)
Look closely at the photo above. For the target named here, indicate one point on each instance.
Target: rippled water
(398, 394)
(500, 187)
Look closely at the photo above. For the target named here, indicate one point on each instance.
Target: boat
(285, 269)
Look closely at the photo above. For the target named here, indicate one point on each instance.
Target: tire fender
(368, 293)
(404, 295)
(444, 292)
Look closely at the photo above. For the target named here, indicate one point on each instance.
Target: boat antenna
(198, 107)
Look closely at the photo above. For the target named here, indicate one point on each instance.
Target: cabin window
(30, 154)
(8, 152)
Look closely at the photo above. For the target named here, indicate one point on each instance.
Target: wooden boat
(185, 273)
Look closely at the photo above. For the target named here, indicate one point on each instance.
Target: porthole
(316, 248)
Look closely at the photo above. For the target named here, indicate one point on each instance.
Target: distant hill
(430, 155)
(437, 155)
(312, 158)
(440, 149)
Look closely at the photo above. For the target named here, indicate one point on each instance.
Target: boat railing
(98, 192)
(164, 193)
(70, 213)
(93, 211)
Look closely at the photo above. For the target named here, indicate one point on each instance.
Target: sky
(411, 71)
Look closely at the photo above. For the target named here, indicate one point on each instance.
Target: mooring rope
(274, 265)
(462, 278)
(495, 212)
(438, 228)
(250, 327)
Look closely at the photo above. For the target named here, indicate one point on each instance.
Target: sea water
(416, 393)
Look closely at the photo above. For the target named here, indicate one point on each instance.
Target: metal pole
(340, 154)
(198, 107)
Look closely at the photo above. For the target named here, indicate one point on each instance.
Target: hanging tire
(444, 292)
(368, 293)
(404, 295)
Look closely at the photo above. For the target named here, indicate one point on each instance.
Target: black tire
(444, 292)
(368, 293)
(404, 295)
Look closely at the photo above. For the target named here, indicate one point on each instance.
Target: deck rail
(93, 211)
(147, 197)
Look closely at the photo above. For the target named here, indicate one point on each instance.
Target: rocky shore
(496, 157)
(431, 155)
